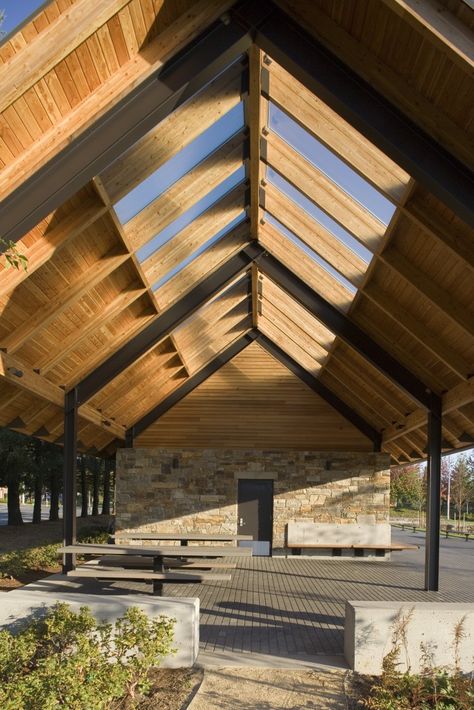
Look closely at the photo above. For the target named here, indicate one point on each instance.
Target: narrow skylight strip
(204, 247)
(319, 215)
(331, 165)
(180, 164)
(312, 254)
(191, 214)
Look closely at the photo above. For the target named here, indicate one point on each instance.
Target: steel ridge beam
(165, 323)
(343, 327)
(322, 390)
(324, 74)
(190, 384)
(112, 134)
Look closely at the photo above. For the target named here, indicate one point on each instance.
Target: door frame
(258, 480)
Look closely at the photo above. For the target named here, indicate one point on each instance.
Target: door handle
(241, 522)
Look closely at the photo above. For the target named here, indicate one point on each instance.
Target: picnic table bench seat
(136, 562)
(100, 572)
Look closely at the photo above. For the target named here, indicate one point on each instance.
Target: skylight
(317, 214)
(180, 164)
(191, 214)
(312, 254)
(332, 166)
(207, 245)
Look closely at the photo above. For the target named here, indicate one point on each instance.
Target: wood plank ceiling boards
(173, 171)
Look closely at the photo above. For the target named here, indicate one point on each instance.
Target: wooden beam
(120, 115)
(314, 235)
(71, 342)
(52, 45)
(14, 371)
(56, 234)
(455, 398)
(427, 287)
(185, 193)
(416, 329)
(331, 130)
(441, 28)
(58, 304)
(328, 196)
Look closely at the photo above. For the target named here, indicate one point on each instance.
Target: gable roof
(183, 186)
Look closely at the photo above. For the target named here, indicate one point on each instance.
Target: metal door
(255, 514)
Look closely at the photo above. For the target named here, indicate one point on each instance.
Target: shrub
(70, 660)
(437, 688)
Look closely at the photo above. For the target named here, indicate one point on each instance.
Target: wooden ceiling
(95, 278)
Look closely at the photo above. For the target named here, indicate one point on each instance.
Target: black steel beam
(191, 383)
(69, 487)
(112, 134)
(381, 122)
(165, 323)
(347, 412)
(342, 326)
(433, 497)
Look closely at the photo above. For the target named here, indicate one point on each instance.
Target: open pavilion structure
(286, 185)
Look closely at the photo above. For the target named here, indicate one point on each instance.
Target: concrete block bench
(34, 599)
(354, 538)
(369, 627)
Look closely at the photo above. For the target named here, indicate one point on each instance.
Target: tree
(407, 486)
(108, 471)
(84, 488)
(462, 482)
(15, 462)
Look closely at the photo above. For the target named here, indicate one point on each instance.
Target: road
(455, 555)
(27, 513)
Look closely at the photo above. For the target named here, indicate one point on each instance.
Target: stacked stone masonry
(195, 490)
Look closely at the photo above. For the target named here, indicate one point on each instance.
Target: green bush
(433, 688)
(19, 562)
(70, 660)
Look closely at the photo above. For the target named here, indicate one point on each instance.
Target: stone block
(369, 626)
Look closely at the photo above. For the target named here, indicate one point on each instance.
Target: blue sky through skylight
(312, 254)
(187, 217)
(181, 163)
(332, 166)
(210, 242)
(317, 214)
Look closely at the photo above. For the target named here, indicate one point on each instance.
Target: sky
(16, 11)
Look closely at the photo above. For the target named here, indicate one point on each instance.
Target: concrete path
(270, 689)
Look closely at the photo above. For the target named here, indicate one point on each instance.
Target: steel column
(381, 122)
(332, 399)
(69, 485)
(342, 326)
(433, 496)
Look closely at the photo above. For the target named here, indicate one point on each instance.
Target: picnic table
(182, 538)
(158, 553)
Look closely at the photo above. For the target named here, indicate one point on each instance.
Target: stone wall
(188, 490)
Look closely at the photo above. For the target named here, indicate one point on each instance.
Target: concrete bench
(33, 600)
(334, 537)
(369, 627)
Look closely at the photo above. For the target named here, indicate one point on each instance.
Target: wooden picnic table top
(181, 536)
(157, 550)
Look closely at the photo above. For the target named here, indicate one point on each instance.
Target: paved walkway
(261, 689)
(290, 612)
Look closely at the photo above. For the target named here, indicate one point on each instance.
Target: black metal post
(69, 488)
(433, 496)
(129, 436)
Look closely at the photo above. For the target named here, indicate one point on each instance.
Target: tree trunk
(38, 492)
(95, 487)
(14, 512)
(106, 500)
(55, 489)
(84, 496)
